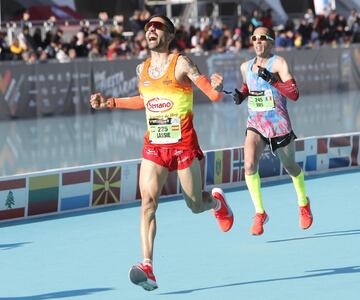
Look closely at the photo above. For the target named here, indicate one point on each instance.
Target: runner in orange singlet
(170, 142)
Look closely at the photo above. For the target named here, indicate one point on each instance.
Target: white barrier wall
(83, 188)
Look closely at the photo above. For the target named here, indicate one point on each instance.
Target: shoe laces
(259, 218)
(305, 211)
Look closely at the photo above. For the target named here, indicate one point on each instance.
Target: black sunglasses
(157, 25)
(262, 37)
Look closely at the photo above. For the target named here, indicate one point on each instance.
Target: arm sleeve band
(205, 86)
(288, 89)
(135, 102)
(244, 90)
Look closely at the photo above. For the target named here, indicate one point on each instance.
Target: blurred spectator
(255, 20)
(140, 45)
(305, 30)
(266, 19)
(37, 39)
(195, 39)
(16, 49)
(103, 18)
(236, 46)
(245, 31)
(309, 16)
(144, 16)
(4, 48)
(43, 57)
(352, 19)
(25, 20)
(118, 26)
(180, 41)
(94, 52)
(78, 43)
(62, 54)
(29, 57)
(135, 22)
(356, 31)
(206, 40)
(113, 48)
(72, 54)
(284, 40)
(54, 45)
(50, 24)
(25, 39)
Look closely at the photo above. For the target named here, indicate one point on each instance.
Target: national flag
(43, 194)
(355, 159)
(306, 154)
(322, 154)
(129, 182)
(12, 198)
(237, 166)
(218, 165)
(335, 152)
(106, 185)
(340, 152)
(269, 165)
(75, 190)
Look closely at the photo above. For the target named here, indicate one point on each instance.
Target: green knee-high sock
(253, 184)
(299, 184)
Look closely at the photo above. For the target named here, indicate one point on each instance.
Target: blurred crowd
(107, 38)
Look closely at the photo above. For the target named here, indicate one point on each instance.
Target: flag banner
(129, 182)
(237, 166)
(306, 154)
(355, 151)
(106, 186)
(12, 198)
(334, 152)
(43, 194)
(218, 167)
(75, 190)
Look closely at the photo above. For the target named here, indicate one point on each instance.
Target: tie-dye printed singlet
(267, 108)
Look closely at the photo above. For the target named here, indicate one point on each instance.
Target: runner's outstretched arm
(212, 88)
(98, 101)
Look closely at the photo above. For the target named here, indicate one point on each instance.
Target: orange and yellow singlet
(168, 106)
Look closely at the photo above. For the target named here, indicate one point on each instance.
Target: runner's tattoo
(190, 68)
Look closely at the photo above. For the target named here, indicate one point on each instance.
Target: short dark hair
(270, 32)
(168, 22)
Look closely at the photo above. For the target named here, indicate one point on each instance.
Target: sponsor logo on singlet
(159, 105)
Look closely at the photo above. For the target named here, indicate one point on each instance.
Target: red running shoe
(142, 275)
(224, 215)
(259, 221)
(305, 215)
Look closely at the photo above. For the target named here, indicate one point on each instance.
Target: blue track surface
(87, 256)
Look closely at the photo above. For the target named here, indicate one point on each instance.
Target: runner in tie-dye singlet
(170, 142)
(267, 83)
(266, 106)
